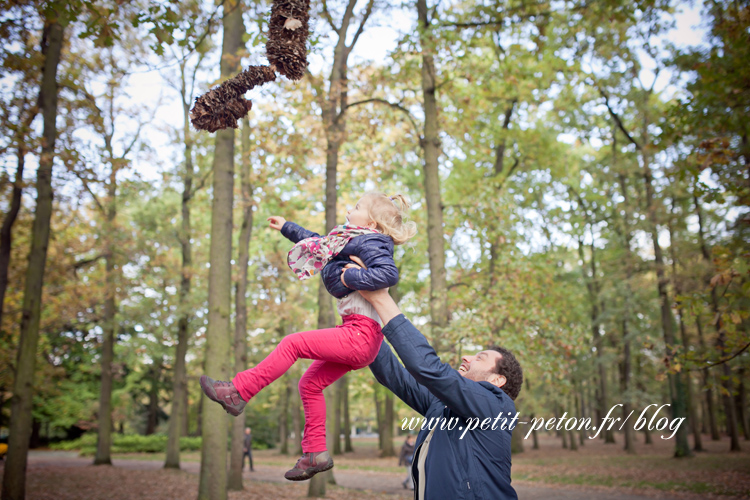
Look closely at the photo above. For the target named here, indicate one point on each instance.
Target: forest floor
(592, 472)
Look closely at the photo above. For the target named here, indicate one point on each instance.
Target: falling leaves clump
(223, 106)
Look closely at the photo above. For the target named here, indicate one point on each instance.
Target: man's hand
(359, 265)
(386, 308)
(276, 222)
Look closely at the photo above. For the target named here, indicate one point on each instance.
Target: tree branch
(619, 123)
(85, 262)
(88, 188)
(391, 104)
(360, 29)
(200, 184)
(722, 361)
(327, 16)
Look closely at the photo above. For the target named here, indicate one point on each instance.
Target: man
(247, 448)
(456, 463)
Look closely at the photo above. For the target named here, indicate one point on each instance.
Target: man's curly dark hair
(509, 367)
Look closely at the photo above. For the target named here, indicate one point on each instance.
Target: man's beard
(476, 376)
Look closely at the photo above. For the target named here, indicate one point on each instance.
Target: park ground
(594, 471)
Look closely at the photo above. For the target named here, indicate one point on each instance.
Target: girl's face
(358, 216)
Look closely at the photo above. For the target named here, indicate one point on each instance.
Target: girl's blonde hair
(389, 213)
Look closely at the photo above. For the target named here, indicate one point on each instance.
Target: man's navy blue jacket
(475, 467)
(375, 250)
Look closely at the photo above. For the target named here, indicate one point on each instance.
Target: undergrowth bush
(127, 443)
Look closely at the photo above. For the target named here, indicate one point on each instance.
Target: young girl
(375, 224)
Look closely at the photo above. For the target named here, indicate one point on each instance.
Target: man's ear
(497, 380)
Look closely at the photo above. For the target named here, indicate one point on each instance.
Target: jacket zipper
(411, 471)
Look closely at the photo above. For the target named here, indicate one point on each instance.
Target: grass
(651, 471)
(716, 472)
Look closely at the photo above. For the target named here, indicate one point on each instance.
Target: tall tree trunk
(109, 327)
(240, 300)
(593, 290)
(627, 406)
(153, 402)
(534, 437)
(6, 235)
(430, 143)
(516, 441)
(580, 407)
(692, 414)
(710, 408)
(378, 415)
(213, 476)
(498, 171)
(676, 387)
(284, 417)
(14, 478)
(178, 419)
(199, 417)
(185, 410)
(338, 403)
(334, 119)
(386, 448)
(726, 379)
(296, 415)
(347, 421)
(626, 234)
(742, 404)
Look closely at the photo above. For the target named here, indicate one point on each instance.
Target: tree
(186, 87)
(240, 300)
(430, 144)
(14, 479)
(213, 477)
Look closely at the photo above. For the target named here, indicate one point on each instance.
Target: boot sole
(308, 473)
(210, 393)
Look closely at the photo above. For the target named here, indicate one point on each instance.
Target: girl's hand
(358, 261)
(276, 222)
(359, 265)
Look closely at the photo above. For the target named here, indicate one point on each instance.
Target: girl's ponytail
(389, 212)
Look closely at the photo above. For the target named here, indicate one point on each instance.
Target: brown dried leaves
(223, 106)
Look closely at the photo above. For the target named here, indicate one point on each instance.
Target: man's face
(480, 367)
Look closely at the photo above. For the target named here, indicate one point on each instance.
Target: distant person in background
(405, 458)
(247, 448)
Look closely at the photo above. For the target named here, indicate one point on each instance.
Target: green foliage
(127, 443)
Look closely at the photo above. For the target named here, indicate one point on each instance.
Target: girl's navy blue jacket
(375, 250)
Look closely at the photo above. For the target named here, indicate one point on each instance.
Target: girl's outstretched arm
(291, 231)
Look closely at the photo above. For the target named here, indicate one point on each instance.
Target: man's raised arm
(389, 372)
(462, 395)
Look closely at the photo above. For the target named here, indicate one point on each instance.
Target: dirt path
(356, 479)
